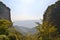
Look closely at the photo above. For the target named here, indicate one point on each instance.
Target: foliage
(3, 37)
(4, 25)
(48, 32)
(7, 32)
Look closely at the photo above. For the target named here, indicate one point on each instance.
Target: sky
(27, 9)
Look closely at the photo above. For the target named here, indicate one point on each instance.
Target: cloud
(0, 0)
(28, 1)
(24, 17)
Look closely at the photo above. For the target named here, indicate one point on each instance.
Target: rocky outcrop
(4, 12)
(52, 15)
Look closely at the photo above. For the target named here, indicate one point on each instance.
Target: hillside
(52, 15)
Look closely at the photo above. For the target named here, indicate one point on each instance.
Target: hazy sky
(27, 9)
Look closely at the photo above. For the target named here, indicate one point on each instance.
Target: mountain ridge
(27, 23)
(25, 30)
(20, 27)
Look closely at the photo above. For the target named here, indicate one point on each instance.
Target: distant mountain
(24, 30)
(27, 23)
(26, 27)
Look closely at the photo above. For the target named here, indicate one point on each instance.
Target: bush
(48, 31)
(7, 32)
(3, 37)
(4, 25)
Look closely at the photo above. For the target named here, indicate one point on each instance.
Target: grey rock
(52, 15)
(4, 12)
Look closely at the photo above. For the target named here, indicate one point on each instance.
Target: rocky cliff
(52, 15)
(4, 12)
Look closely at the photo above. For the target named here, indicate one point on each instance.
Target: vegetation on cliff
(7, 32)
(52, 15)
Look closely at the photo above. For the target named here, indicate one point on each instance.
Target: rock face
(52, 15)
(4, 12)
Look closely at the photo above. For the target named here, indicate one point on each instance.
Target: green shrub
(3, 37)
(4, 25)
(47, 31)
